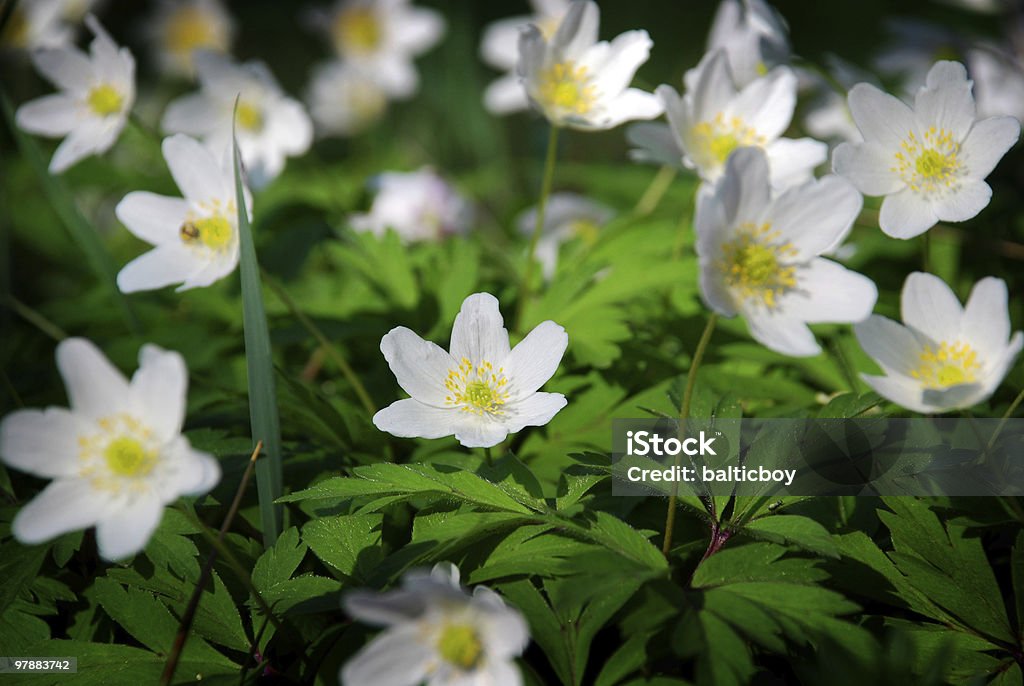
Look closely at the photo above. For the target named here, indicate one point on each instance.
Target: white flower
(116, 457)
(481, 391)
(343, 101)
(271, 126)
(96, 94)
(35, 24)
(566, 216)
(944, 356)
(754, 35)
(576, 81)
(929, 162)
(180, 27)
(499, 48)
(759, 255)
(998, 81)
(828, 116)
(419, 206)
(715, 117)
(196, 237)
(436, 634)
(381, 38)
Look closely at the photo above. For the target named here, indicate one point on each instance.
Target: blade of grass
(82, 232)
(263, 415)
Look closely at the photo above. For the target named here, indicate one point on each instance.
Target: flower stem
(538, 227)
(684, 414)
(1005, 418)
(656, 191)
(488, 458)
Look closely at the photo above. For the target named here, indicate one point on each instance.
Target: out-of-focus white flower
(499, 48)
(753, 34)
(436, 633)
(566, 216)
(481, 391)
(715, 117)
(944, 356)
(760, 256)
(828, 116)
(180, 27)
(116, 457)
(196, 237)
(39, 24)
(576, 81)
(96, 94)
(929, 162)
(271, 126)
(343, 101)
(381, 38)
(998, 81)
(419, 206)
(914, 46)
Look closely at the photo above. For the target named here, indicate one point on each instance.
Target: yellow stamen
(459, 645)
(189, 29)
(357, 31)
(928, 164)
(105, 100)
(477, 389)
(754, 264)
(125, 456)
(250, 117)
(214, 232)
(716, 139)
(948, 365)
(566, 88)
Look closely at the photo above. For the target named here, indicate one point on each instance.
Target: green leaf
(280, 562)
(348, 544)
(794, 530)
(263, 413)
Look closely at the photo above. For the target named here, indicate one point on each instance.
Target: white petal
(126, 531)
(397, 657)
(499, 47)
(95, 388)
(954, 397)
(159, 390)
(66, 68)
(890, 344)
(218, 266)
(986, 144)
(478, 334)
(160, 267)
(197, 472)
(714, 290)
(195, 114)
(41, 442)
(536, 358)
(506, 95)
(290, 127)
(816, 217)
(396, 76)
(899, 389)
(614, 68)
(64, 505)
(420, 366)
(928, 305)
(577, 30)
(655, 143)
(154, 218)
(868, 166)
(780, 332)
(479, 432)
(829, 292)
(535, 410)
(963, 203)
(418, 29)
(504, 673)
(196, 170)
(385, 609)
(986, 320)
(767, 104)
(51, 115)
(412, 419)
(631, 104)
(80, 143)
(792, 161)
(906, 214)
(946, 101)
(880, 117)
(997, 372)
(745, 188)
(713, 88)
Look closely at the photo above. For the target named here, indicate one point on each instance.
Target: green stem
(525, 290)
(1005, 418)
(684, 414)
(325, 344)
(488, 459)
(656, 191)
(844, 364)
(36, 319)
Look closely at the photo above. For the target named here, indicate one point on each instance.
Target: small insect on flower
(116, 457)
(97, 93)
(944, 356)
(482, 390)
(929, 162)
(436, 633)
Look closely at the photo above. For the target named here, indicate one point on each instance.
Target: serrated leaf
(801, 532)
(349, 544)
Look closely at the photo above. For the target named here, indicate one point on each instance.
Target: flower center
(459, 645)
(477, 389)
(928, 164)
(716, 139)
(126, 456)
(566, 87)
(250, 117)
(357, 31)
(105, 100)
(586, 230)
(948, 365)
(188, 29)
(214, 232)
(753, 264)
